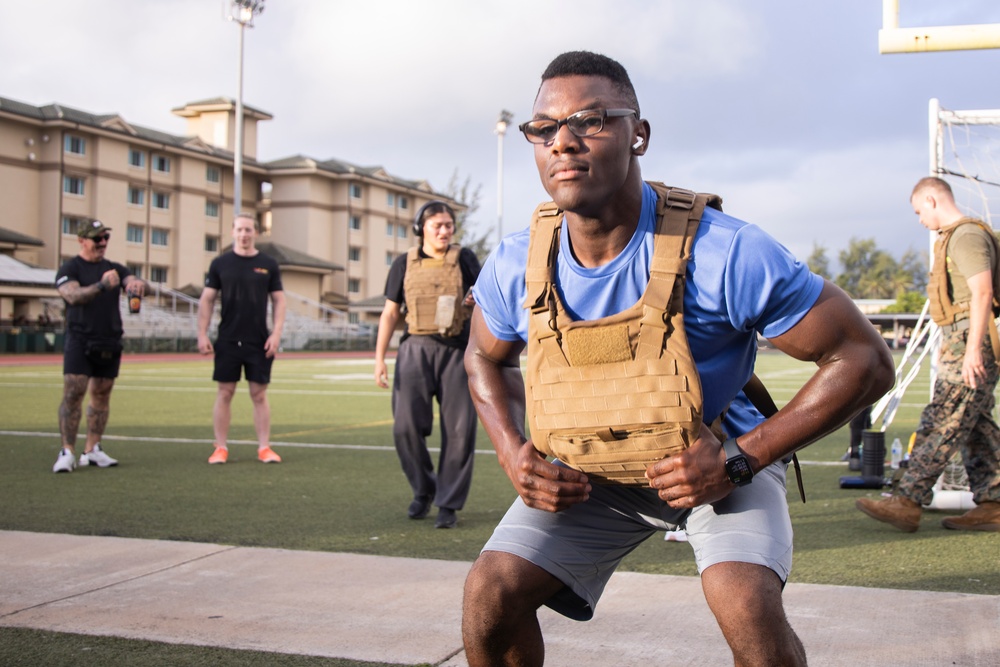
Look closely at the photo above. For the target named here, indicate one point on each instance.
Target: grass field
(341, 489)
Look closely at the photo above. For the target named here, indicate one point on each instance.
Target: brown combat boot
(897, 511)
(985, 516)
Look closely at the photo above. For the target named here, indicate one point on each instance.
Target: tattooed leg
(98, 410)
(74, 389)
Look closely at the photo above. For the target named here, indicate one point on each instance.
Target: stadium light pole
(501, 129)
(243, 13)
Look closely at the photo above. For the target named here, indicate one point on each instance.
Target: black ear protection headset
(432, 207)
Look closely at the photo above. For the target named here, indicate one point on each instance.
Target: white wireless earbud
(638, 142)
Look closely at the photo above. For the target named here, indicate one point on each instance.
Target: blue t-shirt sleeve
(500, 290)
(766, 288)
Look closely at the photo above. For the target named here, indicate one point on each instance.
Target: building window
(135, 270)
(388, 259)
(355, 191)
(390, 200)
(355, 222)
(354, 254)
(401, 232)
(212, 209)
(390, 229)
(75, 145)
(159, 237)
(354, 286)
(161, 200)
(158, 274)
(212, 174)
(211, 243)
(404, 202)
(134, 234)
(73, 185)
(136, 158)
(161, 163)
(136, 196)
(353, 318)
(70, 225)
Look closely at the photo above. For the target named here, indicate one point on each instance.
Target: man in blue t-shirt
(564, 536)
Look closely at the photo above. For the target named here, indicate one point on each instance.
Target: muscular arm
(497, 389)
(206, 305)
(278, 307)
(980, 312)
(853, 369)
(76, 295)
(386, 326)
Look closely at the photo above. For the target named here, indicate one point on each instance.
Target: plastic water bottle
(896, 454)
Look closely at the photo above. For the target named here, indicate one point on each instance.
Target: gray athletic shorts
(583, 545)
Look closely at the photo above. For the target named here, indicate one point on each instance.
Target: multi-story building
(336, 227)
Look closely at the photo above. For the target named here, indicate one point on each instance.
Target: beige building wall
(172, 212)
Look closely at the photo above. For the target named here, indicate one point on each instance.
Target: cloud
(789, 113)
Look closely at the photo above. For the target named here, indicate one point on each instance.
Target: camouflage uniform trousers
(958, 418)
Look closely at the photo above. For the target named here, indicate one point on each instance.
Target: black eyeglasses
(585, 123)
(102, 237)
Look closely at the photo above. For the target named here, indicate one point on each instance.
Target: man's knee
(74, 389)
(226, 391)
(746, 601)
(504, 587)
(100, 392)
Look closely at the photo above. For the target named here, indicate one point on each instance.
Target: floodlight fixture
(241, 12)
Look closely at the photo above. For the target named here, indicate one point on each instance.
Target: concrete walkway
(408, 611)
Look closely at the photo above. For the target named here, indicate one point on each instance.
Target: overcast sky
(783, 107)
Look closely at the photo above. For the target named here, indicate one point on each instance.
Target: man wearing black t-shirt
(90, 285)
(427, 286)
(245, 278)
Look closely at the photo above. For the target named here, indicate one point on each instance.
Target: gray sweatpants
(425, 370)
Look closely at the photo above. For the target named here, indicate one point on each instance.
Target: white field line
(301, 445)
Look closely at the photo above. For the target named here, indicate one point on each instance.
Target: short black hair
(587, 63)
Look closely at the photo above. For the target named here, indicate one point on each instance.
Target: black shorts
(232, 357)
(91, 360)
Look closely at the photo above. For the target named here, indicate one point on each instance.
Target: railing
(168, 322)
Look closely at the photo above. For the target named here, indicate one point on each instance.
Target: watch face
(739, 470)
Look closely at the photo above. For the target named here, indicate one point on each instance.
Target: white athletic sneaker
(65, 462)
(97, 457)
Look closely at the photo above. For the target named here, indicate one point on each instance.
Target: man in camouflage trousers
(960, 415)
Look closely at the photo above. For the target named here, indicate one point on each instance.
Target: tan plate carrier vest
(611, 396)
(433, 288)
(943, 309)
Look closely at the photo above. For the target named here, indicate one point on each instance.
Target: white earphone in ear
(638, 142)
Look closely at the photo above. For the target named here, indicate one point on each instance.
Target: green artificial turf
(36, 648)
(340, 487)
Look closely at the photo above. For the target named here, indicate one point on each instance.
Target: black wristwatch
(100, 286)
(737, 466)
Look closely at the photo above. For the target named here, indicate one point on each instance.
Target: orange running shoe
(268, 455)
(220, 455)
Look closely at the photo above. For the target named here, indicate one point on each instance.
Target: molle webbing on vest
(613, 395)
(943, 309)
(433, 290)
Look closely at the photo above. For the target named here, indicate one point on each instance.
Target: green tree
(856, 260)
(907, 302)
(872, 273)
(469, 196)
(818, 262)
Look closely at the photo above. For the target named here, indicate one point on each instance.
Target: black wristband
(100, 285)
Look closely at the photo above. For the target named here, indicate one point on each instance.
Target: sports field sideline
(340, 491)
